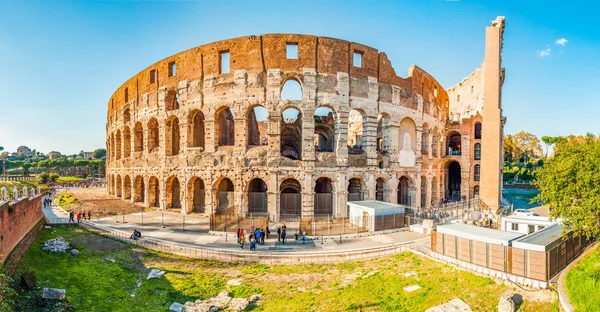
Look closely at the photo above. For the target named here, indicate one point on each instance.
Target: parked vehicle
(524, 213)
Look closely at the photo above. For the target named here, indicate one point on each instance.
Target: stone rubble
(411, 288)
(454, 305)
(370, 274)
(234, 282)
(56, 245)
(54, 293)
(223, 301)
(155, 273)
(75, 252)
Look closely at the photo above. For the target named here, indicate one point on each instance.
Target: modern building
(298, 125)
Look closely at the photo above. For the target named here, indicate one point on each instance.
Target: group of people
(257, 236)
(135, 235)
(431, 214)
(80, 215)
(47, 202)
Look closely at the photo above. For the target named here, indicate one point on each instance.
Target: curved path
(563, 298)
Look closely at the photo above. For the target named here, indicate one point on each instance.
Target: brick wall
(16, 221)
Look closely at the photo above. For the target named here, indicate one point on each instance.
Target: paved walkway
(169, 226)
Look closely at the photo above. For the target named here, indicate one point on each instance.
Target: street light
(3, 163)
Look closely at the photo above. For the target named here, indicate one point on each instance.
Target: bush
(29, 279)
(53, 177)
(7, 293)
(42, 178)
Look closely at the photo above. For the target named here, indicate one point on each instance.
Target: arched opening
(172, 137)
(119, 186)
(197, 195)
(140, 188)
(453, 144)
(476, 191)
(127, 142)
(477, 154)
(425, 139)
(153, 135)
(323, 197)
(138, 137)
(355, 190)
(291, 91)
(355, 132)
(383, 133)
(111, 185)
(173, 193)
(379, 187)
(477, 130)
(225, 195)
(423, 192)
(257, 126)
(113, 146)
(290, 198)
(404, 197)
(196, 129)
(257, 197)
(126, 116)
(153, 192)
(435, 141)
(291, 134)
(434, 191)
(453, 181)
(127, 188)
(476, 172)
(172, 100)
(118, 144)
(407, 143)
(324, 130)
(224, 127)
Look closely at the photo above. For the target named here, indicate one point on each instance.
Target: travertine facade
(183, 133)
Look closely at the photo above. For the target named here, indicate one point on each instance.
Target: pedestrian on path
(279, 234)
(79, 217)
(257, 235)
(89, 215)
(252, 245)
(268, 232)
(238, 233)
(71, 217)
(242, 240)
(262, 236)
(283, 234)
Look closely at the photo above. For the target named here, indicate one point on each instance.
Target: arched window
(477, 151)
(323, 197)
(196, 129)
(355, 132)
(172, 137)
(291, 134)
(425, 139)
(225, 129)
(383, 132)
(435, 138)
(153, 136)
(126, 116)
(138, 137)
(173, 193)
(290, 198)
(355, 190)
(197, 195)
(257, 126)
(423, 192)
(477, 130)
(127, 142)
(153, 192)
(257, 197)
(453, 144)
(379, 187)
(172, 100)
(225, 194)
(324, 130)
(476, 172)
(291, 91)
(118, 143)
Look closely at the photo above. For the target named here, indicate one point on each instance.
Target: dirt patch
(100, 203)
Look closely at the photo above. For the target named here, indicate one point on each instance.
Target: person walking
(257, 235)
(242, 240)
(78, 217)
(262, 236)
(71, 217)
(283, 234)
(238, 233)
(268, 232)
(89, 215)
(279, 234)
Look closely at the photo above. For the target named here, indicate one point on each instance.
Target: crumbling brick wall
(17, 219)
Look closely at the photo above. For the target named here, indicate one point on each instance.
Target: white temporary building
(376, 215)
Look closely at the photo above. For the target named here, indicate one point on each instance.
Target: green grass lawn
(69, 179)
(65, 199)
(582, 283)
(96, 284)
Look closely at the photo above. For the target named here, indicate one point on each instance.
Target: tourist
(71, 217)
(283, 235)
(262, 236)
(268, 232)
(238, 234)
(252, 245)
(257, 235)
(279, 234)
(78, 217)
(242, 238)
(89, 215)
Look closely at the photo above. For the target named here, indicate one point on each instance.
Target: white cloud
(561, 41)
(544, 53)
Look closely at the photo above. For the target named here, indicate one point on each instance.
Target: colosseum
(298, 125)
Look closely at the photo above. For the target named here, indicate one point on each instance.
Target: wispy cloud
(561, 41)
(544, 53)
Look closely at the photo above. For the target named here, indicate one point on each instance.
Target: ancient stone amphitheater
(297, 125)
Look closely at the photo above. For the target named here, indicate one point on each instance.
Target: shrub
(42, 178)
(53, 177)
(28, 279)
(7, 294)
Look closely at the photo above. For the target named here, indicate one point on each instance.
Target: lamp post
(3, 163)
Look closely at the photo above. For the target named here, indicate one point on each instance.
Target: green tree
(570, 183)
(99, 153)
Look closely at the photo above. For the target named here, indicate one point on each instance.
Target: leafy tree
(570, 184)
(99, 153)
(53, 177)
(42, 178)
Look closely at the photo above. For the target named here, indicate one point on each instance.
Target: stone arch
(425, 139)
(196, 135)
(127, 187)
(435, 142)
(257, 126)
(138, 137)
(172, 100)
(118, 145)
(173, 192)
(257, 196)
(323, 197)
(423, 192)
(153, 192)
(291, 134)
(453, 180)
(140, 189)
(111, 186)
(291, 89)
(126, 116)
(383, 132)
(119, 189)
(379, 189)
(290, 198)
(325, 129)
(172, 136)
(196, 195)
(153, 135)
(407, 142)
(434, 191)
(356, 128)
(225, 127)
(225, 194)
(355, 189)
(127, 142)
(405, 183)
(453, 144)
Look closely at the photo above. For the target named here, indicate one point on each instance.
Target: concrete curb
(561, 283)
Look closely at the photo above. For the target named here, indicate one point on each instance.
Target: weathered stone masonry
(183, 134)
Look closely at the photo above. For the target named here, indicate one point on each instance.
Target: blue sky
(61, 61)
